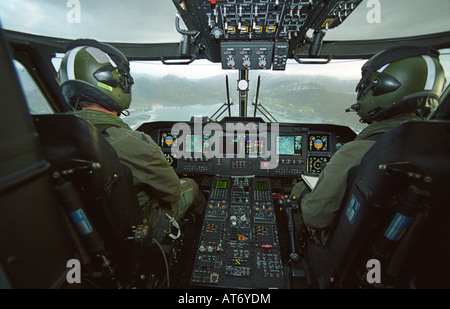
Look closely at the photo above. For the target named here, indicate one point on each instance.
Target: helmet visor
(383, 83)
(114, 77)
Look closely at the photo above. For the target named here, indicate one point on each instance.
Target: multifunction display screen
(289, 145)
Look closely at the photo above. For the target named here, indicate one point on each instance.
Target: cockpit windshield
(305, 93)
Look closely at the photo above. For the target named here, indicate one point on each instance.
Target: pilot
(398, 84)
(95, 79)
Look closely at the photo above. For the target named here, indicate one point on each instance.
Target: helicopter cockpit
(248, 98)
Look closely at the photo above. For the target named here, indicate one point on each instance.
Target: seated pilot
(95, 79)
(397, 85)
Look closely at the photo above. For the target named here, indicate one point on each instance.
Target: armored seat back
(395, 212)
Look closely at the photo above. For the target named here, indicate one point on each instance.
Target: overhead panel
(274, 27)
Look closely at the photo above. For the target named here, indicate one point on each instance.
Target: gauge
(169, 140)
(318, 142)
(242, 85)
(317, 163)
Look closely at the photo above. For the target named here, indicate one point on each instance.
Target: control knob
(230, 62)
(262, 62)
(216, 32)
(246, 62)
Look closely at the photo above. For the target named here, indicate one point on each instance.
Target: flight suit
(319, 207)
(157, 185)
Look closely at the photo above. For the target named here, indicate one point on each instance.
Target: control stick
(289, 205)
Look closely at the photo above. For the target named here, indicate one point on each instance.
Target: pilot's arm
(148, 164)
(319, 207)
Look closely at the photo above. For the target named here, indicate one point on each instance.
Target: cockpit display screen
(260, 185)
(194, 143)
(254, 145)
(289, 145)
(318, 142)
(244, 145)
(168, 139)
(317, 163)
(221, 184)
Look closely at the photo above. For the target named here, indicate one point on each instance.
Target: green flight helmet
(96, 72)
(399, 80)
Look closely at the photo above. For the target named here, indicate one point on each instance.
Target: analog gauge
(242, 85)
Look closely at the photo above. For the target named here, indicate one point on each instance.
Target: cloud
(197, 69)
(130, 21)
(21, 15)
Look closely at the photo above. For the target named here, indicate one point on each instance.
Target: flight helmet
(399, 80)
(96, 72)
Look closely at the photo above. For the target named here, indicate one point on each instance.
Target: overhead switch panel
(246, 55)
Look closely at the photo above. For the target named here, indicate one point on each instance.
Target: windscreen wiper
(260, 107)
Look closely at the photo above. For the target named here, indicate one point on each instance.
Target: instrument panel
(248, 146)
(241, 160)
(239, 245)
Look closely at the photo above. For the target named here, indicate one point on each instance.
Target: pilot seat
(97, 193)
(393, 224)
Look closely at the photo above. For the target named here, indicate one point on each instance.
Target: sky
(106, 20)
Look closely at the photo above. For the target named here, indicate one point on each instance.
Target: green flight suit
(157, 185)
(319, 207)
